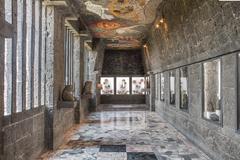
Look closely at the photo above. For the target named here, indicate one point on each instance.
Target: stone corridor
(126, 135)
(119, 80)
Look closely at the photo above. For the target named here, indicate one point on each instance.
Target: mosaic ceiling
(123, 23)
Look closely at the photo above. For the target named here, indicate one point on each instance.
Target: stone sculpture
(87, 90)
(67, 94)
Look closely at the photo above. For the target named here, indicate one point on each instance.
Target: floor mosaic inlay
(127, 135)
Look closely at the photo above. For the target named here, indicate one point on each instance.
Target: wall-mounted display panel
(122, 85)
(107, 85)
(138, 85)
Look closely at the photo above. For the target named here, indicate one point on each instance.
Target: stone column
(50, 12)
(49, 73)
(84, 101)
(98, 68)
(76, 66)
(1, 77)
(77, 75)
(82, 39)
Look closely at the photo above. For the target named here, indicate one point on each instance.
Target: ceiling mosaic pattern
(123, 23)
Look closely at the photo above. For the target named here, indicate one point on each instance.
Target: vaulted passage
(119, 80)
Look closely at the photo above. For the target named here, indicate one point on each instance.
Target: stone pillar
(98, 92)
(100, 49)
(50, 12)
(86, 56)
(1, 77)
(82, 108)
(76, 66)
(49, 67)
(77, 75)
(82, 39)
(7, 30)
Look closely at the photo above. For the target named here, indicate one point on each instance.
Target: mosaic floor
(127, 135)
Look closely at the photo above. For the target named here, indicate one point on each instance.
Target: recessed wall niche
(162, 86)
(172, 87)
(212, 90)
(183, 88)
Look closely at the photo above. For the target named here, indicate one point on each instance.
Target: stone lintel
(55, 3)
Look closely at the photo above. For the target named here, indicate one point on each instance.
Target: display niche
(138, 85)
(107, 85)
(212, 90)
(123, 86)
(184, 88)
(162, 86)
(156, 86)
(172, 87)
(147, 85)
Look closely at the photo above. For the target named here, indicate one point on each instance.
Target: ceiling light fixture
(161, 20)
(161, 15)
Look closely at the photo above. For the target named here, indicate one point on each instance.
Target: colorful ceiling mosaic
(123, 23)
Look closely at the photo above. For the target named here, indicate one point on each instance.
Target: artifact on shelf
(67, 94)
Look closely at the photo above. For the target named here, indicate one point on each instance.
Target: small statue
(67, 94)
(184, 100)
(214, 117)
(87, 89)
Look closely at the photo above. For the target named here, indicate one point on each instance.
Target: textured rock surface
(123, 63)
(26, 134)
(193, 32)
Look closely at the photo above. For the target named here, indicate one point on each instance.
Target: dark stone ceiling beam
(69, 9)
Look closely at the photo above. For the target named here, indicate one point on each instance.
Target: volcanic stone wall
(123, 62)
(194, 32)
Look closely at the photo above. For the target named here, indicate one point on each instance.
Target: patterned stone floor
(127, 135)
